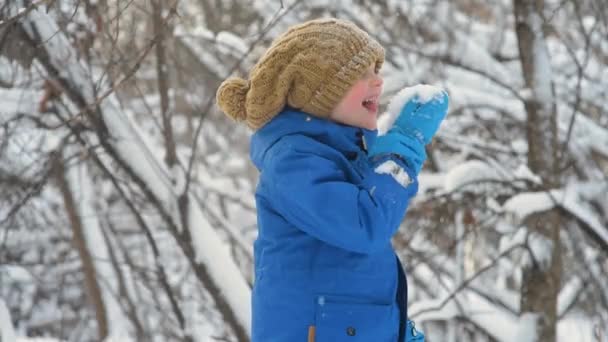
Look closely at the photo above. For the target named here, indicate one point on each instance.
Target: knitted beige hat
(309, 67)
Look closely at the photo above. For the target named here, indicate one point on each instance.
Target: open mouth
(371, 104)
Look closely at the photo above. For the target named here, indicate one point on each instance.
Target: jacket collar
(344, 138)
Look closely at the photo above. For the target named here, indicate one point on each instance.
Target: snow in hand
(424, 93)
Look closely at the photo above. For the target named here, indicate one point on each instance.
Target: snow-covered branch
(125, 145)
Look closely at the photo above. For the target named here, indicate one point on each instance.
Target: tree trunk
(162, 70)
(542, 276)
(92, 287)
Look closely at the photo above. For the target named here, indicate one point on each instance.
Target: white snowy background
(127, 207)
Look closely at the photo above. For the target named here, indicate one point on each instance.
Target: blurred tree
(510, 227)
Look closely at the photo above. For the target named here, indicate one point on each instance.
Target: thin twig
(465, 283)
(22, 13)
(233, 69)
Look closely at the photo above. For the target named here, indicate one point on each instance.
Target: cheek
(355, 96)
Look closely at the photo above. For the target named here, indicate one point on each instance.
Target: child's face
(359, 107)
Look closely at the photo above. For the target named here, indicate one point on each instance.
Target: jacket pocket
(348, 319)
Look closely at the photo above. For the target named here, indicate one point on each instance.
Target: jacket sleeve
(312, 192)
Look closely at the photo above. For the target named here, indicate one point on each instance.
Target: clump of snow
(527, 203)
(519, 146)
(396, 171)
(421, 93)
(429, 181)
(470, 172)
(523, 172)
(526, 93)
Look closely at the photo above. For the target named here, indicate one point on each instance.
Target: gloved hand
(414, 116)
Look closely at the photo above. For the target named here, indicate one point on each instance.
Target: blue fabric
(422, 120)
(323, 255)
(402, 300)
(413, 335)
(404, 145)
(414, 127)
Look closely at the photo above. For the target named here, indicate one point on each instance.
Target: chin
(368, 125)
(371, 124)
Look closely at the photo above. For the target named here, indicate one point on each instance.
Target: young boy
(331, 194)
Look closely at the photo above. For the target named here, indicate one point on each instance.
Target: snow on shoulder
(424, 92)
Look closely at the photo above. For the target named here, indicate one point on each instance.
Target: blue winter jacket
(324, 264)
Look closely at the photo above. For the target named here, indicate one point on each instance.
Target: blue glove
(415, 125)
(421, 119)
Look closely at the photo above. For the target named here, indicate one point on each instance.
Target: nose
(376, 81)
